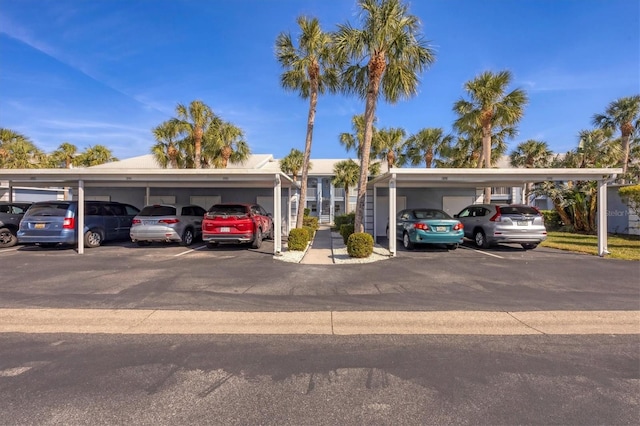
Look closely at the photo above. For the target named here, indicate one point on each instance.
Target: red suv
(237, 223)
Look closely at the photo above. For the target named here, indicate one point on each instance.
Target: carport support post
(277, 215)
(147, 195)
(602, 218)
(392, 215)
(10, 192)
(80, 217)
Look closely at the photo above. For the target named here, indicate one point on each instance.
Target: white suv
(488, 224)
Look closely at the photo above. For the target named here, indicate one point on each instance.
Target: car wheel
(480, 239)
(529, 246)
(211, 245)
(406, 241)
(452, 246)
(143, 243)
(257, 239)
(187, 237)
(7, 238)
(92, 239)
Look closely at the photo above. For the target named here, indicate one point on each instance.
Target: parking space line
(191, 250)
(9, 250)
(483, 252)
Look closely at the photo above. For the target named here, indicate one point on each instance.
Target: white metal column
(80, 217)
(277, 215)
(602, 218)
(392, 215)
(147, 196)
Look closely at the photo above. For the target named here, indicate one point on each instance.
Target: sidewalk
(328, 248)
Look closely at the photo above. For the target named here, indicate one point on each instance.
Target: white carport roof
(150, 177)
(430, 178)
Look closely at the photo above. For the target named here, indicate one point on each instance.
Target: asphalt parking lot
(230, 277)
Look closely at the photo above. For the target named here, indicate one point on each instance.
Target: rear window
(431, 214)
(518, 210)
(48, 209)
(228, 210)
(158, 211)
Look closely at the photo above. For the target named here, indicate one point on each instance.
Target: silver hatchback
(488, 224)
(167, 223)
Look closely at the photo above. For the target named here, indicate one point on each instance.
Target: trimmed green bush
(307, 212)
(552, 220)
(298, 239)
(310, 231)
(310, 221)
(345, 231)
(360, 245)
(344, 219)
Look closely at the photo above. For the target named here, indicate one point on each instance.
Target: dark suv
(10, 217)
(49, 223)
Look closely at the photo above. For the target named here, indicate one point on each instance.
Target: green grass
(621, 246)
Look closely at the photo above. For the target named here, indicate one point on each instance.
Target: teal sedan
(428, 226)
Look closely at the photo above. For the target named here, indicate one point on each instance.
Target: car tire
(143, 243)
(257, 239)
(212, 244)
(480, 239)
(92, 239)
(452, 246)
(529, 246)
(187, 237)
(7, 238)
(406, 241)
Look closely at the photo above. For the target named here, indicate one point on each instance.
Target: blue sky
(108, 71)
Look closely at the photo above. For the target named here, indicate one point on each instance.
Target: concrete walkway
(321, 251)
(132, 321)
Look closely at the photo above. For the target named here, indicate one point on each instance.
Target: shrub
(344, 219)
(307, 212)
(345, 231)
(310, 221)
(298, 239)
(552, 220)
(310, 230)
(360, 244)
(631, 196)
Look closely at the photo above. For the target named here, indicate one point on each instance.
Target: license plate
(441, 228)
(148, 222)
(39, 226)
(522, 223)
(225, 229)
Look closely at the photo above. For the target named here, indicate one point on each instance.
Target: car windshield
(228, 210)
(158, 211)
(48, 209)
(431, 214)
(518, 210)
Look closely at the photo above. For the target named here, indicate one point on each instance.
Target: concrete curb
(130, 321)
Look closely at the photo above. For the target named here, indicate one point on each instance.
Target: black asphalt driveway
(163, 276)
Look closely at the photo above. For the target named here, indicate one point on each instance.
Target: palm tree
(18, 152)
(623, 114)
(310, 69)
(166, 150)
(292, 163)
(193, 121)
(345, 175)
(354, 141)
(490, 106)
(224, 143)
(65, 156)
(94, 155)
(384, 57)
(387, 143)
(425, 145)
(530, 154)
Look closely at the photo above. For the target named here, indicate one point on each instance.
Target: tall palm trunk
(377, 66)
(198, 147)
(226, 155)
(428, 158)
(346, 199)
(626, 129)
(313, 102)
(391, 159)
(486, 149)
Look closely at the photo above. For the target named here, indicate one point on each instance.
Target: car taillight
(169, 221)
(496, 217)
(136, 221)
(68, 223)
(458, 226)
(422, 226)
